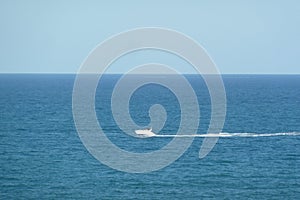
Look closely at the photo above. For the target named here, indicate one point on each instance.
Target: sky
(242, 37)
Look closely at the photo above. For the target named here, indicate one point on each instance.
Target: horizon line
(72, 73)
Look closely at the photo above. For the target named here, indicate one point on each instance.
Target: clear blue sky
(240, 36)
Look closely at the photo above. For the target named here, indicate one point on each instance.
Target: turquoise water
(42, 157)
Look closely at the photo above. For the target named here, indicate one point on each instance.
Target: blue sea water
(42, 157)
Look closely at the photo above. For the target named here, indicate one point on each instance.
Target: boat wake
(149, 133)
(234, 135)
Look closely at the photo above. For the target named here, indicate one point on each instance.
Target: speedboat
(145, 132)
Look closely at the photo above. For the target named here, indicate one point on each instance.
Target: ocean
(42, 156)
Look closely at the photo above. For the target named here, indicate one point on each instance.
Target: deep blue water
(42, 157)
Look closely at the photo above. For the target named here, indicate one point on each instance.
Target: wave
(233, 135)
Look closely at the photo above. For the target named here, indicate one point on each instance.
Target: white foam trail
(234, 135)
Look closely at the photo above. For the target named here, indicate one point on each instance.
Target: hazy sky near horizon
(240, 36)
